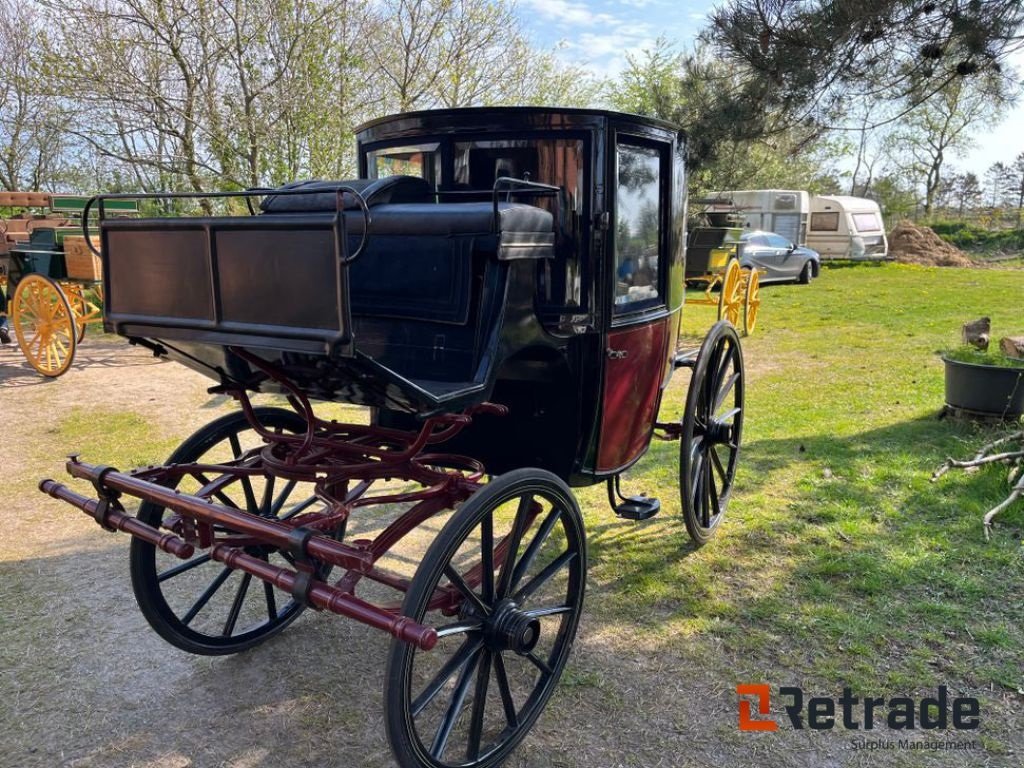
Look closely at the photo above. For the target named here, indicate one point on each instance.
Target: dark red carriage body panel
(631, 393)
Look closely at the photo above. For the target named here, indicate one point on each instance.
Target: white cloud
(568, 12)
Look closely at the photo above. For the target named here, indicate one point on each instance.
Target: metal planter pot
(988, 390)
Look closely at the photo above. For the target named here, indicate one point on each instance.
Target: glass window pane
(866, 222)
(422, 161)
(637, 227)
(825, 222)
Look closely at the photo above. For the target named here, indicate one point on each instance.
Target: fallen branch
(1015, 494)
(1014, 457)
(952, 463)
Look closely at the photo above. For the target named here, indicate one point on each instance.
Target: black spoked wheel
(712, 429)
(504, 583)
(200, 605)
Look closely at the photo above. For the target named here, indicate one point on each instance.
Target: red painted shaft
(120, 521)
(330, 598)
(320, 594)
(268, 531)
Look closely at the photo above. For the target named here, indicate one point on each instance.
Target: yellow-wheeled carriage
(51, 278)
(713, 265)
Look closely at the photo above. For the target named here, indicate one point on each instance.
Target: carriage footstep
(638, 507)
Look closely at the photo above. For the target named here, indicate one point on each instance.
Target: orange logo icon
(747, 723)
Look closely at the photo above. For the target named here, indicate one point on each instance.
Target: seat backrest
(323, 197)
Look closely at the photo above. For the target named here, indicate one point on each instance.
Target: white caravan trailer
(782, 211)
(843, 227)
(836, 226)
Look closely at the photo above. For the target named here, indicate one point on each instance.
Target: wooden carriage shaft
(319, 594)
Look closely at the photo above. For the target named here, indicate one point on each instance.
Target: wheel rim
(199, 604)
(712, 432)
(79, 306)
(44, 323)
(469, 701)
(752, 305)
(730, 299)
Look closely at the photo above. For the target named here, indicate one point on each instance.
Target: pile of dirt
(913, 244)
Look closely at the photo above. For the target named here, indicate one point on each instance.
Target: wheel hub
(718, 433)
(510, 629)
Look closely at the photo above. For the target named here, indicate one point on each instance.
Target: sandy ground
(84, 682)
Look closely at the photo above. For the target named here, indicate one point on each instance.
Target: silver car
(777, 258)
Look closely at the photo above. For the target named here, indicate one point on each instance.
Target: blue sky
(599, 33)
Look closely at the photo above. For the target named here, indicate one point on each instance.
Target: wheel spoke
(696, 465)
(451, 715)
(268, 496)
(476, 723)
(730, 414)
(459, 628)
(487, 557)
(282, 497)
(717, 462)
(456, 579)
(705, 495)
(205, 597)
(538, 541)
(268, 593)
(538, 613)
(544, 576)
(236, 606)
(458, 660)
(722, 365)
(712, 490)
(514, 539)
(170, 573)
(724, 391)
(539, 663)
(507, 703)
(250, 496)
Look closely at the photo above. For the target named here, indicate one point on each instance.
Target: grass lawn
(839, 564)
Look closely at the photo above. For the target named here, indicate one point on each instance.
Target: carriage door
(635, 352)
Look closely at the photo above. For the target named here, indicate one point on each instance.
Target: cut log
(976, 333)
(1012, 346)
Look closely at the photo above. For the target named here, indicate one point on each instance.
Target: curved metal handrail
(340, 192)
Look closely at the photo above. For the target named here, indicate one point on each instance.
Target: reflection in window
(422, 161)
(558, 162)
(637, 227)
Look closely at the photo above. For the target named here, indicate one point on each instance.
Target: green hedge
(971, 237)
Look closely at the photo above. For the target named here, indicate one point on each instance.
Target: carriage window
(637, 227)
(423, 161)
(559, 162)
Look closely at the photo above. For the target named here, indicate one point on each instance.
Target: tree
(227, 94)
(807, 57)
(702, 95)
(966, 192)
(939, 125)
(32, 146)
(1015, 174)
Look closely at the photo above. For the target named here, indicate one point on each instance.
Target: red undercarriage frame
(343, 461)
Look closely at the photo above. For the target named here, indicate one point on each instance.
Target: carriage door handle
(616, 354)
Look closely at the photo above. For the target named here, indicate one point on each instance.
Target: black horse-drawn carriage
(503, 289)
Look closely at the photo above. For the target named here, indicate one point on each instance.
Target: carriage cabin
(530, 257)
